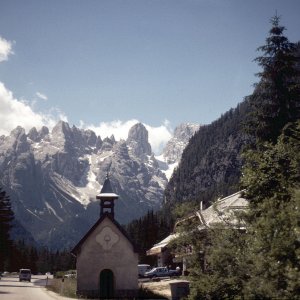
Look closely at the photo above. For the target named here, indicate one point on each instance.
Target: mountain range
(53, 178)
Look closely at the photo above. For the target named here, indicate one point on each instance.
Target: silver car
(25, 274)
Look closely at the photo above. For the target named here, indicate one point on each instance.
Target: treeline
(259, 257)
(16, 254)
(148, 230)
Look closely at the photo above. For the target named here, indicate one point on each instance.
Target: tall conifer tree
(6, 218)
(271, 174)
(272, 178)
(276, 100)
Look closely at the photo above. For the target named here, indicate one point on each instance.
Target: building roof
(107, 191)
(159, 247)
(76, 249)
(223, 211)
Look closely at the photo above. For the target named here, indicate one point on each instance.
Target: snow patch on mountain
(54, 177)
(172, 152)
(50, 208)
(86, 193)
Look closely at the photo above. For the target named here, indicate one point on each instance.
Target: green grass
(66, 288)
(145, 293)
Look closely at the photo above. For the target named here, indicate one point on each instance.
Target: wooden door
(106, 284)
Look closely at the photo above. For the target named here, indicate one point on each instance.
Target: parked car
(161, 272)
(142, 269)
(25, 274)
(71, 274)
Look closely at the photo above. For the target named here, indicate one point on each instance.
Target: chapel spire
(107, 198)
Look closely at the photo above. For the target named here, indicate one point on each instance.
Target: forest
(17, 254)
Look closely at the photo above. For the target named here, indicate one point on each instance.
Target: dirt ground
(161, 287)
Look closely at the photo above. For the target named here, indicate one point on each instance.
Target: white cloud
(41, 96)
(15, 113)
(105, 129)
(158, 136)
(5, 49)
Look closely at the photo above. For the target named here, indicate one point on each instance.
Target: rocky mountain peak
(107, 144)
(61, 134)
(138, 140)
(33, 134)
(112, 138)
(174, 148)
(91, 138)
(61, 127)
(18, 133)
(121, 150)
(37, 136)
(18, 140)
(185, 131)
(43, 132)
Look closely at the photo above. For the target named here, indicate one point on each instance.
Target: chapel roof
(77, 247)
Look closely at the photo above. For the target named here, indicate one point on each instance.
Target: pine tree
(271, 174)
(272, 179)
(6, 218)
(148, 230)
(274, 169)
(221, 272)
(276, 100)
(215, 258)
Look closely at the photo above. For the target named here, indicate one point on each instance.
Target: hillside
(211, 163)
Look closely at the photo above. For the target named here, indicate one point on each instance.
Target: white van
(142, 269)
(25, 274)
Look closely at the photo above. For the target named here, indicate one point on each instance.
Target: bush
(65, 287)
(59, 274)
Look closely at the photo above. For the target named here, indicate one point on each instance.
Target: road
(12, 289)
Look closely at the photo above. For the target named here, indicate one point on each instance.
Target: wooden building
(224, 211)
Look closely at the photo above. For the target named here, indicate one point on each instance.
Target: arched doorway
(107, 284)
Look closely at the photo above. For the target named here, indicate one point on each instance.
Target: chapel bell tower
(107, 198)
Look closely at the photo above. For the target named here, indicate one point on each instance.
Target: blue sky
(109, 62)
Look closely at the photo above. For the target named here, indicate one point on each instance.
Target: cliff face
(174, 148)
(211, 163)
(53, 179)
